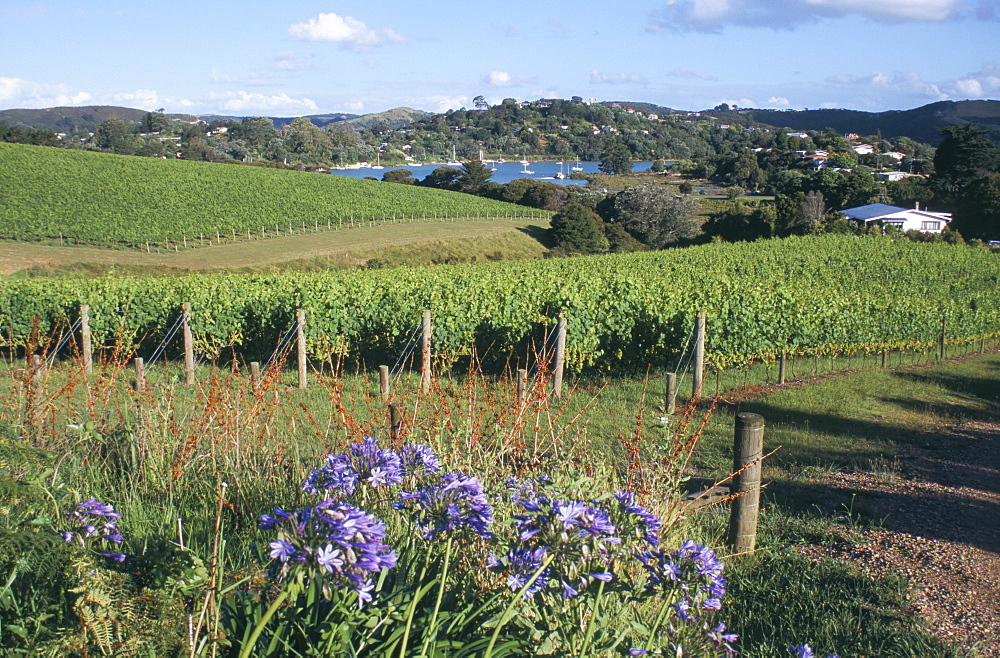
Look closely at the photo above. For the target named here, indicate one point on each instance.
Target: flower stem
(510, 607)
(656, 625)
(432, 630)
(413, 607)
(247, 649)
(590, 623)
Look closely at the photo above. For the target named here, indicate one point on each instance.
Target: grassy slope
(102, 199)
(395, 244)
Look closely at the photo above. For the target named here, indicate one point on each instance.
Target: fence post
(395, 422)
(140, 375)
(781, 366)
(748, 449)
(188, 344)
(300, 341)
(36, 370)
(522, 385)
(383, 383)
(425, 351)
(560, 365)
(698, 376)
(671, 399)
(255, 376)
(86, 340)
(885, 359)
(944, 336)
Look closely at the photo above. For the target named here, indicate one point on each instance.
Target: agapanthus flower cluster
(634, 519)
(332, 540)
(578, 538)
(367, 462)
(806, 651)
(451, 502)
(722, 640)
(694, 570)
(95, 522)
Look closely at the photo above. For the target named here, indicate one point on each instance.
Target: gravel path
(941, 528)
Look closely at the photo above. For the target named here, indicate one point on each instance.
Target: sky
(307, 57)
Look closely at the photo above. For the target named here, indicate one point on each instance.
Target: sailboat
(524, 167)
(561, 174)
(576, 167)
(378, 161)
(454, 159)
(524, 160)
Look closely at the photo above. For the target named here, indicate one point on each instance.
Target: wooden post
(522, 385)
(395, 422)
(35, 408)
(188, 344)
(782, 363)
(982, 345)
(300, 340)
(140, 375)
(671, 399)
(698, 376)
(944, 336)
(885, 359)
(425, 351)
(255, 376)
(748, 449)
(86, 340)
(560, 364)
(383, 383)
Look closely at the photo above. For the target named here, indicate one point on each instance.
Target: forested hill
(922, 124)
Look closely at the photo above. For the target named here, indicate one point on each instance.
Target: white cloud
(984, 83)
(293, 62)
(244, 101)
(602, 78)
(779, 101)
(251, 78)
(347, 31)
(140, 98)
(21, 93)
(900, 83)
(505, 79)
(713, 15)
(442, 103)
(681, 72)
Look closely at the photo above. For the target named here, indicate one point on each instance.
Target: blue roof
(872, 211)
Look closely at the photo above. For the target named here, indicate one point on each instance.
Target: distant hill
(397, 117)
(72, 119)
(69, 119)
(921, 124)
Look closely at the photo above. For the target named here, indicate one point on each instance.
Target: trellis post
(522, 385)
(670, 404)
(300, 341)
(140, 375)
(782, 362)
(425, 350)
(86, 340)
(255, 376)
(748, 451)
(698, 376)
(560, 365)
(188, 343)
(385, 390)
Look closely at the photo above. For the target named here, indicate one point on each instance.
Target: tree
(742, 222)
(480, 103)
(655, 216)
(474, 175)
(403, 176)
(978, 213)
(306, 139)
(445, 178)
(116, 136)
(616, 158)
(154, 122)
(965, 155)
(577, 228)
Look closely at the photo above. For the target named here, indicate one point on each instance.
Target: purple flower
(336, 477)
(693, 570)
(723, 640)
(94, 521)
(366, 457)
(520, 565)
(332, 540)
(419, 460)
(637, 652)
(637, 518)
(117, 557)
(453, 501)
(802, 651)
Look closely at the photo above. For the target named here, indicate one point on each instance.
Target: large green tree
(965, 155)
(655, 216)
(616, 158)
(473, 177)
(577, 228)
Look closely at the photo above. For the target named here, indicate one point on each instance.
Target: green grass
(52, 195)
(390, 244)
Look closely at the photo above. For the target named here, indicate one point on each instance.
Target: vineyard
(811, 296)
(51, 194)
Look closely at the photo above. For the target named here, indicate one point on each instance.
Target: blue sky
(304, 57)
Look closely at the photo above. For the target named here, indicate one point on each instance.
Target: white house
(904, 219)
(863, 149)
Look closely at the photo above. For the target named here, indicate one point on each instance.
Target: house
(799, 135)
(863, 149)
(905, 219)
(892, 176)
